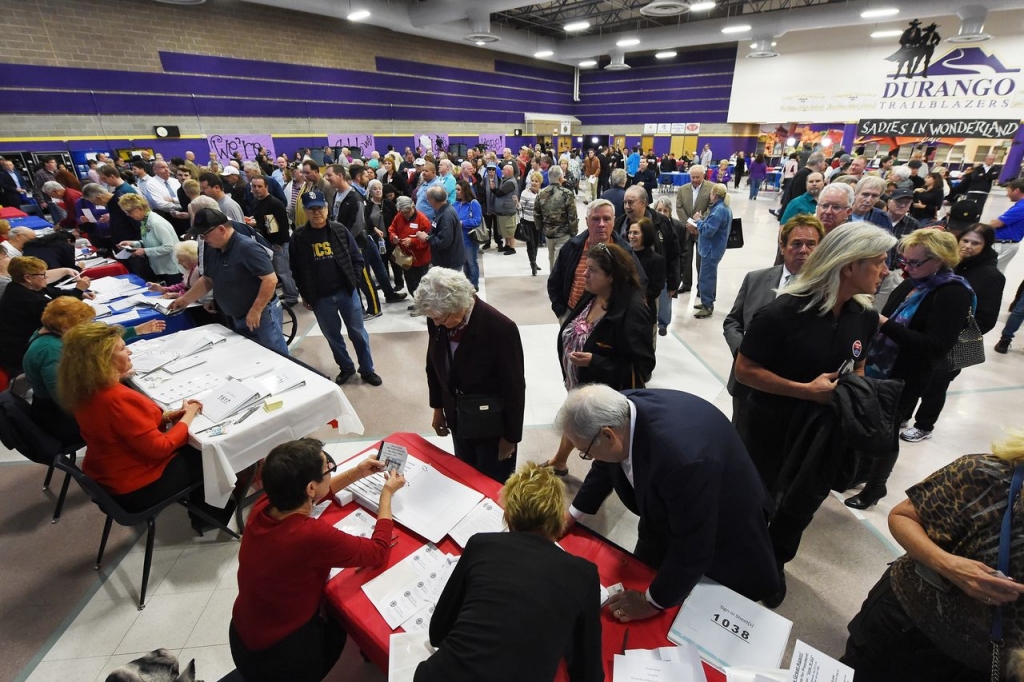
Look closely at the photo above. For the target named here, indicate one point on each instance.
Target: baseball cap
(964, 211)
(492, 165)
(903, 193)
(230, 170)
(206, 219)
(419, 162)
(313, 199)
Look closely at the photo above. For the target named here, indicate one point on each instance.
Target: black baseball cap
(206, 219)
(964, 211)
(903, 193)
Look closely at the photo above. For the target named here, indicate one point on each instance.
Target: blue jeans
(664, 308)
(330, 311)
(472, 267)
(268, 334)
(1014, 321)
(371, 255)
(707, 279)
(755, 185)
(284, 273)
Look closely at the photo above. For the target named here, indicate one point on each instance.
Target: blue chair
(115, 512)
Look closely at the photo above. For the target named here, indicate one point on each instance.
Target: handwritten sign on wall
(492, 143)
(431, 142)
(360, 144)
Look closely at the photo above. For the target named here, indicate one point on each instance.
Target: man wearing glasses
(241, 275)
(677, 462)
(835, 206)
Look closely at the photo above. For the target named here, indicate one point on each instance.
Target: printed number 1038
(717, 619)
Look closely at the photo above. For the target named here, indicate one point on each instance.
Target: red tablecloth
(369, 631)
(7, 212)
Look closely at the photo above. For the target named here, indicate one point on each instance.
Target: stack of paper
(122, 317)
(252, 369)
(810, 665)
(681, 663)
(198, 343)
(151, 360)
(358, 523)
(173, 392)
(281, 380)
(228, 399)
(407, 591)
(485, 517)
(405, 652)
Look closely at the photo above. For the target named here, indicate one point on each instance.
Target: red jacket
(402, 228)
(125, 448)
(70, 200)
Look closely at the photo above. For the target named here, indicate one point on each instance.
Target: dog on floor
(156, 666)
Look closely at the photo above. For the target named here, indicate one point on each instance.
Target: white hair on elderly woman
(443, 291)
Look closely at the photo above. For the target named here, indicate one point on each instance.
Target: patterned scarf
(884, 350)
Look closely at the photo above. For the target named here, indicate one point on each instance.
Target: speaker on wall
(166, 131)
(518, 132)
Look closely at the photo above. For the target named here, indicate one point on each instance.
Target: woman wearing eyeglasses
(919, 325)
(279, 630)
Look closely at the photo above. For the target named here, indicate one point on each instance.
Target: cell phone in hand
(846, 367)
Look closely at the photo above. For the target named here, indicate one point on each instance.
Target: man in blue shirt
(430, 179)
(1010, 225)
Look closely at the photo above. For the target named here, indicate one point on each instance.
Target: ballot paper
(810, 665)
(730, 630)
(637, 669)
(485, 517)
(394, 457)
(122, 318)
(181, 364)
(101, 309)
(152, 360)
(122, 304)
(89, 216)
(282, 379)
(419, 620)
(406, 651)
(610, 591)
(112, 286)
(430, 504)
(124, 254)
(358, 523)
(407, 587)
(685, 656)
(173, 392)
(749, 674)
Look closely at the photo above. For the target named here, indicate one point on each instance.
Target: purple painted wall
(724, 147)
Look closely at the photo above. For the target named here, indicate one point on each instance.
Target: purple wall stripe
(554, 75)
(651, 97)
(480, 78)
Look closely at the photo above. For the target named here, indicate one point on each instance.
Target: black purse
(477, 415)
(969, 348)
(735, 234)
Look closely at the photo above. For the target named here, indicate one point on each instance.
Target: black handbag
(479, 416)
(969, 348)
(735, 234)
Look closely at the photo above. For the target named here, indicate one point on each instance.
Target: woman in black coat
(55, 249)
(641, 236)
(928, 199)
(917, 328)
(978, 267)
(607, 337)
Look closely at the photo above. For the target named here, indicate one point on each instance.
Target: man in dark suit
(981, 179)
(677, 462)
(799, 237)
(12, 193)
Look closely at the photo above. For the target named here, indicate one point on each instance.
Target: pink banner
(492, 143)
(360, 144)
(431, 142)
(247, 146)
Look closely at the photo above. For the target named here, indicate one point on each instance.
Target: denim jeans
(1014, 321)
(330, 311)
(268, 334)
(472, 267)
(664, 308)
(707, 280)
(755, 185)
(284, 273)
(371, 255)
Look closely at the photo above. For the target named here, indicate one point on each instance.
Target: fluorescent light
(577, 26)
(543, 53)
(628, 42)
(594, 140)
(702, 6)
(668, 54)
(588, 62)
(359, 15)
(887, 34)
(881, 12)
(736, 29)
(480, 43)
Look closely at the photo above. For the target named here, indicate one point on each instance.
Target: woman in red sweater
(135, 450)
(278, 630)
(407, 224)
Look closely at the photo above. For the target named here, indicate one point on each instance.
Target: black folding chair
(115, 512)
(18, 431)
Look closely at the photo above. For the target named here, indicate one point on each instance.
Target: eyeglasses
(835, 208)
(36, 274)
(586, 453)
(915, 263)
(332, 466)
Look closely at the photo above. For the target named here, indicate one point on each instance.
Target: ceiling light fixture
(588, 62)
(359, 15)
(543, 53)
(887, 34)
(577, 26)
(628, 42)
(479, 43)
(880, 12)
(702, 6)
(736, 29)
(667, 54)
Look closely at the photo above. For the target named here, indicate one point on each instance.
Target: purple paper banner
(431, 142)
(356, 142)
(248, 146)
(493, 143)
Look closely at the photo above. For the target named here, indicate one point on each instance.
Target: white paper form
(729, 629)
(637, 669)
(485, 517)
(394, 592)
(174, 391)
(420, 620)
(685, 656)
(227, 399)
(748, 674)
(358, 523)
(122, 318)
(810, 665)
(406, 651)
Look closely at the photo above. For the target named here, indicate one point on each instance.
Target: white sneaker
(915, 435)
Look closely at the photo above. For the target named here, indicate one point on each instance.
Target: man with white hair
(190, 164)
(677, 462)
(867, 192)
(835, 205)
(554, 214)
(444, 171)
(981, 179)
(16, 240)
(690, 199)
(68, 196)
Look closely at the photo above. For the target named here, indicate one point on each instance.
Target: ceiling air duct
(618, 62)
(972, 26)
(762, 48)
(481, 32)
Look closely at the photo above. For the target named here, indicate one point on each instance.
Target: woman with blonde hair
(918, 326)
(713, 230)
(157, 240)
(135, 450)
(930, 616)
(516, 604)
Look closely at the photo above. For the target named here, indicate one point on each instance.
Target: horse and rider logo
(916, 48)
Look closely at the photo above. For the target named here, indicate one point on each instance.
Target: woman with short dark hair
(278, 630)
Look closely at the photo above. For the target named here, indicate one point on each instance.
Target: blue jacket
(714, 231)
(632, 164)
(471, 215)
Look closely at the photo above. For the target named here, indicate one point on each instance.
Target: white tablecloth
(305, 409)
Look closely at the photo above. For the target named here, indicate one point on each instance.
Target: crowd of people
(835, 348)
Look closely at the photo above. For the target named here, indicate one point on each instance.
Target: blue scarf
(884, 350)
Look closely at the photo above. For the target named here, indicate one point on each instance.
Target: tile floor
(192, 585)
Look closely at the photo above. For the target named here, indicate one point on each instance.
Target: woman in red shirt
(278, 631)
(135, 450)
(407, 223)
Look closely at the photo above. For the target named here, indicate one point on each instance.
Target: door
(620, 141)
(690, 145)
(676, 146)
(646, 142)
